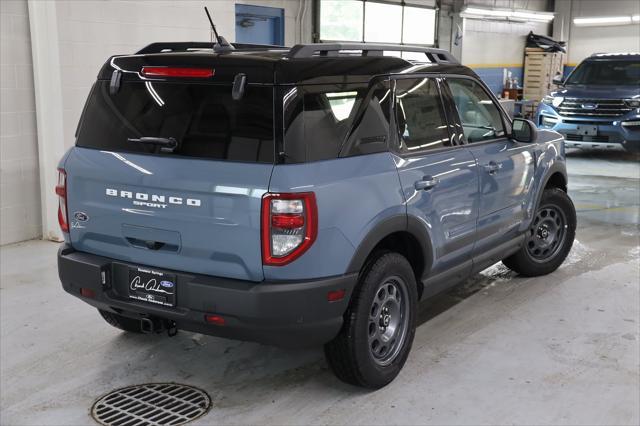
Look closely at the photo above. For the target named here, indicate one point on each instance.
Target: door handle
(492, 168)
(426, 183)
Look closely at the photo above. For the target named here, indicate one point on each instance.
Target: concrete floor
(560, 349)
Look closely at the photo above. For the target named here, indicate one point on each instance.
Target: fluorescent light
(487, 12)
(635, 18)
(477, 12)
(605, 20)
(534, 16)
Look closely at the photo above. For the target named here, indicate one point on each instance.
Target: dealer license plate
(150, 285)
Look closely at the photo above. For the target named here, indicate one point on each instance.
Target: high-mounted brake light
(179, 72)
(61, 190)
(289, 226)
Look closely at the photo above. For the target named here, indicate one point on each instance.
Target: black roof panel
(273, 65)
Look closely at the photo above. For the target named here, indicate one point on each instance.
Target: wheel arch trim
(397, 223)
(554, 168)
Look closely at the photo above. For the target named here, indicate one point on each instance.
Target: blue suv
(302, 196)
(598, 106)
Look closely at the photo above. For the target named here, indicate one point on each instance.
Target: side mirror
(558, 80)
(524, 130)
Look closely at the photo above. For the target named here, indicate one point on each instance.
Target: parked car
(302, 196)
(598, 105)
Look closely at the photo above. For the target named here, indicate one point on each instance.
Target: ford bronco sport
(303, 196)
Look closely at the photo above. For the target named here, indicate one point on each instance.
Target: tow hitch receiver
(150, 325)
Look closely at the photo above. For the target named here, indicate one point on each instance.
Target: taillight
(289, 226)
(177, 72)
(61, 190)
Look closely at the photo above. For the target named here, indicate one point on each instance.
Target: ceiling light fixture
(605, 20)
(487, 12)
(506, 14)
(534, 16)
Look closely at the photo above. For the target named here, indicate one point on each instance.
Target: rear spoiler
(187, 46)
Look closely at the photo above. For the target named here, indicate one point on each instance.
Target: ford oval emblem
(81, 216)
(166, 284)
(589, 106)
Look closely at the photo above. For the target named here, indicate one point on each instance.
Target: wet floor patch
(151, 404)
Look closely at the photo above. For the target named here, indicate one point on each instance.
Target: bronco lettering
(142, 196)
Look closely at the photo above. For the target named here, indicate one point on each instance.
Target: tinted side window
(371, 128)
(317, 119)
(419, 115)
(480, 117)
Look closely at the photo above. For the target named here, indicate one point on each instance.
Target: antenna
(213, 27)
(221, 45)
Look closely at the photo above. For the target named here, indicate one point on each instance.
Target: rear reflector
(214, 319)
(87, 292)
(287, 221)
(336, 295)
(177, 72)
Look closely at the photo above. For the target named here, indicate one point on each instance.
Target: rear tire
(379, 324)
(123, 323)
(550, 237)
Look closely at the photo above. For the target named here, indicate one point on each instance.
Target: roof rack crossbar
(185, 46)
(369, 49)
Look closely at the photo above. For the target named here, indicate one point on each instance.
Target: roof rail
(595, 55)
(369, 49)
(185, 46)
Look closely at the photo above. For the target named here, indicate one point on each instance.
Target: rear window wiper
(165, 144)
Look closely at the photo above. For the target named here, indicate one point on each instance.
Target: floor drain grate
(151, 404)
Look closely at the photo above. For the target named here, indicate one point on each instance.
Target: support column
(562, 20)
(49, 118)
(456, 27)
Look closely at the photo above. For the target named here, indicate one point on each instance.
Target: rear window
(203, 118)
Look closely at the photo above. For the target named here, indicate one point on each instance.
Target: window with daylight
(420, 116)
(377, 21)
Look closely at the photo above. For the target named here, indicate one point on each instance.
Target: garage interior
(498, 349)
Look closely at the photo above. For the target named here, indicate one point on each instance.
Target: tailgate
(192, 207)
(196, 216)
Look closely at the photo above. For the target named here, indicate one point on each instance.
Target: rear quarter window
(203, 118)
(320, 119)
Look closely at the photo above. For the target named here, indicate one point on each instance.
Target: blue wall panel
(259, 24)
(494, 76)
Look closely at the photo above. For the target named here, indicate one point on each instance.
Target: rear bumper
(285, 313)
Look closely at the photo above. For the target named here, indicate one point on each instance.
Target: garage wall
(583, 41)
(19, 177)
(491, 47)
(71, 40)
(91, 31)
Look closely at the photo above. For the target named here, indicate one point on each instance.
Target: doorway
(259, 25)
